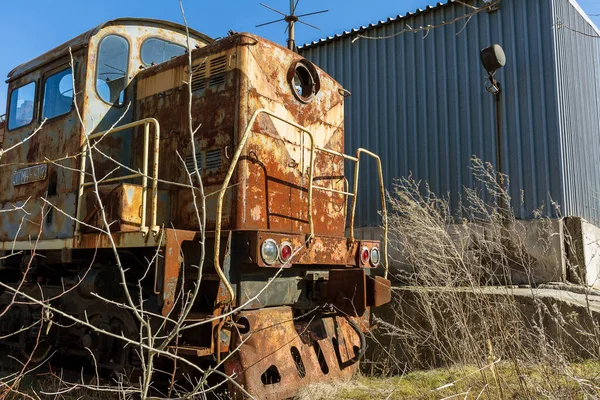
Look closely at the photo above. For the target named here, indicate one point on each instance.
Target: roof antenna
(291, 20)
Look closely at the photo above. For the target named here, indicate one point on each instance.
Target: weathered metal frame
(144, 174)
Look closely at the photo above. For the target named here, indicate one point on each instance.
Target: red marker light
(364, 255)
(286, 251)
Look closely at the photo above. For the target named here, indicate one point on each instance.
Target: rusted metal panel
(347, 289)
(120, 240)
(173, 258)
(274, 172)
(281, 354)
(379, 291)
(214, 98)
(271, 188)
(122, 204)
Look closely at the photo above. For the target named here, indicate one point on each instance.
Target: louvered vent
(217, 71)
(199, 78)
(213, 159)
(189, 162)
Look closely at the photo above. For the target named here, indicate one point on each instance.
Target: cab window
(58, 94)
(21, 108)
(111, 71)
(156, 51)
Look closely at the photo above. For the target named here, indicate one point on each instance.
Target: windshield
(58, 94)
(156, 51)
(111, 74)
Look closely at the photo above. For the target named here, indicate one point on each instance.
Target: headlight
(269, 251)
(375, 256)
(304, 80)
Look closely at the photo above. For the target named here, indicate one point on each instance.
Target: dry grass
(512, 346)
(467, 382)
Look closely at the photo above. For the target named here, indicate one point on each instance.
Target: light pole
(493, 58)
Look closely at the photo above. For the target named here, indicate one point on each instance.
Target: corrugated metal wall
(578, 66)
(421, 102)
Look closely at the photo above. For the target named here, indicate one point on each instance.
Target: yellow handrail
(383, 205)
(234, 161)
(144, 174)
(232, 166)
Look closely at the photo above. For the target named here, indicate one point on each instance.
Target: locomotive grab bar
(383, 205)
(232, 166)
(144, 174)
(235, 159)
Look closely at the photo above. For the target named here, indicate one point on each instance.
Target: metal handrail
(232, 166)
(354, 194)
(383, 205)
(144, 174)
(235, 159)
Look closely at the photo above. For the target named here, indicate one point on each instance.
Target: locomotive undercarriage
(307, 327)
(36, 333)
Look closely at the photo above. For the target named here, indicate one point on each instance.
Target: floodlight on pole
(493, 58)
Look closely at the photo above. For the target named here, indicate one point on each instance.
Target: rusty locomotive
(115, 169)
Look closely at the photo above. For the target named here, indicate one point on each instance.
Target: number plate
(30, 174)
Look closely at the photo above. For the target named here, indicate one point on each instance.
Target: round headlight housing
(304, 80)
(375, 256)
(269, 251)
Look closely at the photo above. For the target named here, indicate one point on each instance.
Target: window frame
(35, 105)
(185, 49)
(50, 74)
(125, 97)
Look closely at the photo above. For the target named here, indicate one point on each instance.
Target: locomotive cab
(101, 65)
(228, 158)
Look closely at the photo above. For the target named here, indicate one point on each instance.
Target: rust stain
(282, 354)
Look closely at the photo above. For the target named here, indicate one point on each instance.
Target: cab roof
(83, 39)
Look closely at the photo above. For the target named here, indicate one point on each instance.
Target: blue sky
(29, 28)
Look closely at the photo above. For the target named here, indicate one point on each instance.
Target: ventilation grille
(189, 162)
(217, 71)
(199, 78)
(210, 160)
(213, 159)
(213, 71)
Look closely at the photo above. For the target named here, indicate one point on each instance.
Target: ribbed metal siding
(421, 102)
(578, 63)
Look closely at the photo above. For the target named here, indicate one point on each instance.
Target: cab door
(108, 100)
(37, 177)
